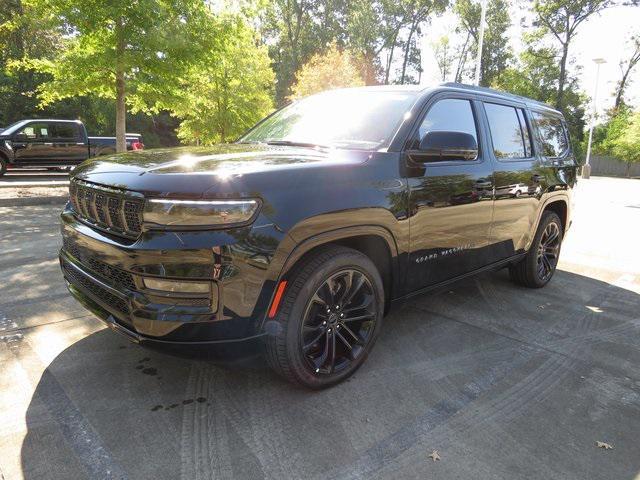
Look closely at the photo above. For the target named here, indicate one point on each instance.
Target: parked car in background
(54, 144)
(514, 190)
(325, 215)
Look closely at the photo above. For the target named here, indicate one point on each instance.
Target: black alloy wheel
(328, 319)
(339, 322)
(548, 251)
(536, 269)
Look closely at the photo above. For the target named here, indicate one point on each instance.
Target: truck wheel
(3, 166)
(328, 319)
(538, 266)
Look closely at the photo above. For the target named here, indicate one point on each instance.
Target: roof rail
(497, 93)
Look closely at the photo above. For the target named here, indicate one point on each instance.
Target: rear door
(451, 201)
(69, 143)
(519, 175)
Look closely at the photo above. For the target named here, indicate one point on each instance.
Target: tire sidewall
(295, 318)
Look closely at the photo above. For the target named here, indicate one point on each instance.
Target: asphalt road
(504, 382)
(33, 177)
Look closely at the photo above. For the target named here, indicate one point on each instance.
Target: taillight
(137, 145)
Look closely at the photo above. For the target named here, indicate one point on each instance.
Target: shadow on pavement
(504, 382)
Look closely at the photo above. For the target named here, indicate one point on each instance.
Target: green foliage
(627, 144)
(332, 69)
(496, 52)
(536, 76)
(224, 96)
(151, 41)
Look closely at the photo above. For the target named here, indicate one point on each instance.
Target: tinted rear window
(553, 137)
(509, 138)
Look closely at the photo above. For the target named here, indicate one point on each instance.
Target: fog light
(176, 286)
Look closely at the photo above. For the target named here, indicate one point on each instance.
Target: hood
(222, 169)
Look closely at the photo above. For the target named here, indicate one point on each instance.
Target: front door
(33, 145)
(451, 202)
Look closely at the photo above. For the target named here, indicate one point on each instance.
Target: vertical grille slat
(117, 211)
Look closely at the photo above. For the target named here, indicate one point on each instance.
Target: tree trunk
(563, 74)
(390, 59)
(407, 50)
(121, 113)
(621, 87)
(628, 169)
(121, 106)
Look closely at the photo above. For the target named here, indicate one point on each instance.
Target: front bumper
(105, 275)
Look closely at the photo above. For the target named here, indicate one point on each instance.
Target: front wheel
(538, 266)
(329, 318)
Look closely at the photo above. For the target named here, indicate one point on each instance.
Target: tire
(3, 166)
(329, 275)
(536, 269)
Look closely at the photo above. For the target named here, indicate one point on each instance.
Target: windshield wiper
(290, 143)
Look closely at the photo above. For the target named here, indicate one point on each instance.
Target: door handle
(536, 178)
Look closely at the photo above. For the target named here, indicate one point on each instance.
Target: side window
(553, 137)
(37, 131)
(509, 131)
(449, 115)
(66, 131)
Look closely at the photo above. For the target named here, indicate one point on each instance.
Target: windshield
(354, 119)
(13, 127)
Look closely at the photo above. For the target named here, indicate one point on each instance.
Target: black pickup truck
(54, 143)
(320, 219)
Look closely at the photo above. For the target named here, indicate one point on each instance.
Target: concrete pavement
(502, 381)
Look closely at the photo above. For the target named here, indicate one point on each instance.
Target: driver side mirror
(20, 137)
(445, 146)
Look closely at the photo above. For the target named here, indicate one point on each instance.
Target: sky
(602, 36)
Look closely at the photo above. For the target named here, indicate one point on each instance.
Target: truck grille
(113, 275)
(115, 211)
(102, 295)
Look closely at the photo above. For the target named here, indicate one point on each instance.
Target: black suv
(323, 216)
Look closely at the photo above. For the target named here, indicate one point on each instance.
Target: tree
(416, 12)
(225, 96)
(133, 52)
(535, 76)
(496, 52)
(561, 19)
(444, 56)
(332, 69)
(627, 146)
(626, 66)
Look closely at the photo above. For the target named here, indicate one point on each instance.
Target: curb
(28, 201)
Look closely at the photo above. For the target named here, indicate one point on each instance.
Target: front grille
(113, 275)
(103, 295)
(116, 211)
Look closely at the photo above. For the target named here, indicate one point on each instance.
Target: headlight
(199, 213)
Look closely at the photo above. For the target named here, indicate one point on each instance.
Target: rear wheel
(538, 266)
(329, 318)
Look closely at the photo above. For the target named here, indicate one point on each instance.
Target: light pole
(586, 170)
(483, 14)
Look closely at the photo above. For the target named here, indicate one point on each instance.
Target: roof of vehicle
(459, 87)
(497, 93)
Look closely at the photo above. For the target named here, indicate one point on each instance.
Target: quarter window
(450, 115)
(553, 137)
(509, 131)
